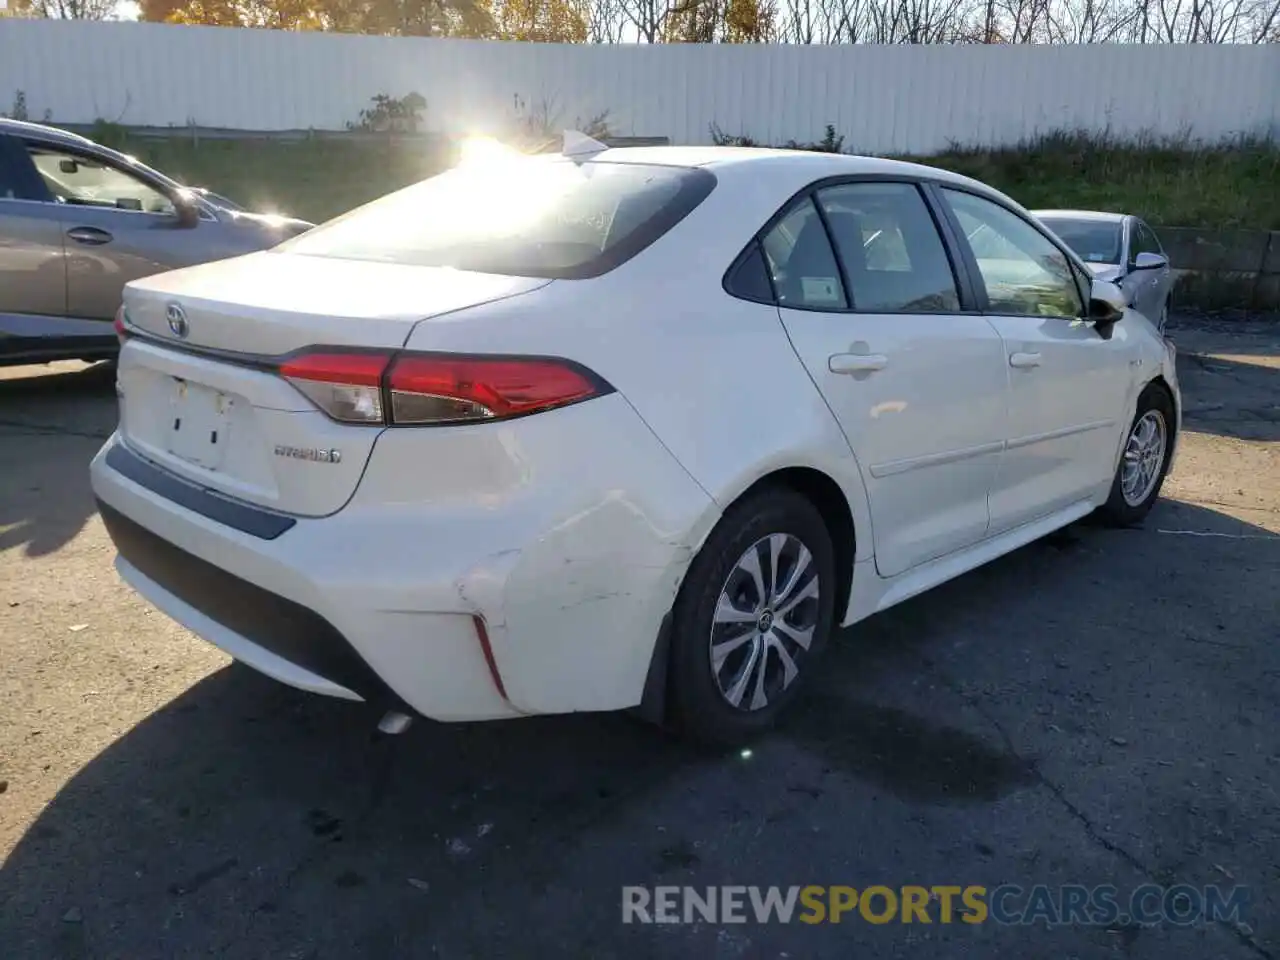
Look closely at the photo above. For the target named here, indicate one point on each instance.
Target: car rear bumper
(253, 623)
(550, 602)
(276, 618)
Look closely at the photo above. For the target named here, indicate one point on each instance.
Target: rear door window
(18, 178)
(532, 216)
(890, 248)
(801, 262)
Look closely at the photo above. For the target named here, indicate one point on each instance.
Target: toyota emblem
(177, 320)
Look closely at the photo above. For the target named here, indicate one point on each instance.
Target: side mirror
(187, 210)
(68, 166)
(1150, 261)
(1106, 303)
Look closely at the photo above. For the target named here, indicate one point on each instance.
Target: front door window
(1024, 273)
(82, 181)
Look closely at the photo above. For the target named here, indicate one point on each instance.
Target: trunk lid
(210, 407)
(267, 304)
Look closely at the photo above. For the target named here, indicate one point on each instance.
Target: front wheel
(752, 618)
(1145, 460)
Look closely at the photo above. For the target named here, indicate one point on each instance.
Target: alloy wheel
(764, 621)
(1143, 458)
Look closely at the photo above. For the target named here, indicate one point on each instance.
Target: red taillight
(122, 330)
(426, 389)
(346, 386)
(443, 389)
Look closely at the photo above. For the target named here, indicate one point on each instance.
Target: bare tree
(918, 21)
(606, 20)
(68, 9)
(798, 23)
(1030, 21)
(845, 21)
(1091, 21)
(1211, 21)
(648, 17)
(750, 21)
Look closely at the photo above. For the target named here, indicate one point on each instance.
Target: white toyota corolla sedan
(623, 428)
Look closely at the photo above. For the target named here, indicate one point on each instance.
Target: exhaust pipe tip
(394, 722)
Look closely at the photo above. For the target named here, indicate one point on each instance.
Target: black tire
(698, 708)
(1118, 511)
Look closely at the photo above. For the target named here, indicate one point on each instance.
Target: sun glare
(486, 152)
(501, 189)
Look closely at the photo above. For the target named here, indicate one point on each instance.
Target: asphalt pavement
(1098, 708)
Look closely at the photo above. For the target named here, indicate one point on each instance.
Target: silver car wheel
(764, 621)
(1143, 458)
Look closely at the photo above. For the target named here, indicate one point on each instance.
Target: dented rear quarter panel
(569, 532)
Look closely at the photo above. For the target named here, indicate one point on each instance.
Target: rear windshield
(540, 216)
(1096, 241)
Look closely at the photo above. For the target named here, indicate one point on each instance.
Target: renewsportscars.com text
(1009, 904)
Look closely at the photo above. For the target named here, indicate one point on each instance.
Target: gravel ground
(1099, 707)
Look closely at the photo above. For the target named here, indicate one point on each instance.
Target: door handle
(90, 235)
(857, 362)
(1024, 361)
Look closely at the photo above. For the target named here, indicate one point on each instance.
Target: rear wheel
(1145, 460)
(752, 618)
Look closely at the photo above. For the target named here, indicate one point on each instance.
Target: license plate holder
(199, 424)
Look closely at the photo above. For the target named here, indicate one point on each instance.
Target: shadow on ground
(1230, 380)
(247, 819)
(54, 397)
(62, 417)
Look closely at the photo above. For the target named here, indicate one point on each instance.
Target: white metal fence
(907, 99)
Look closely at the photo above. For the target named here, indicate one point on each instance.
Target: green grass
(314, 179)
(1170, 183)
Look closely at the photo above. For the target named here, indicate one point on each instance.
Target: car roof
(1100, 216)
(811, 162)
(40, 131)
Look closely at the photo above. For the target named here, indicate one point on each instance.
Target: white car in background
(1120, 248)
(626, 428)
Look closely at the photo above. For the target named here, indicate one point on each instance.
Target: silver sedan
(1123, 249)
(78, 221)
